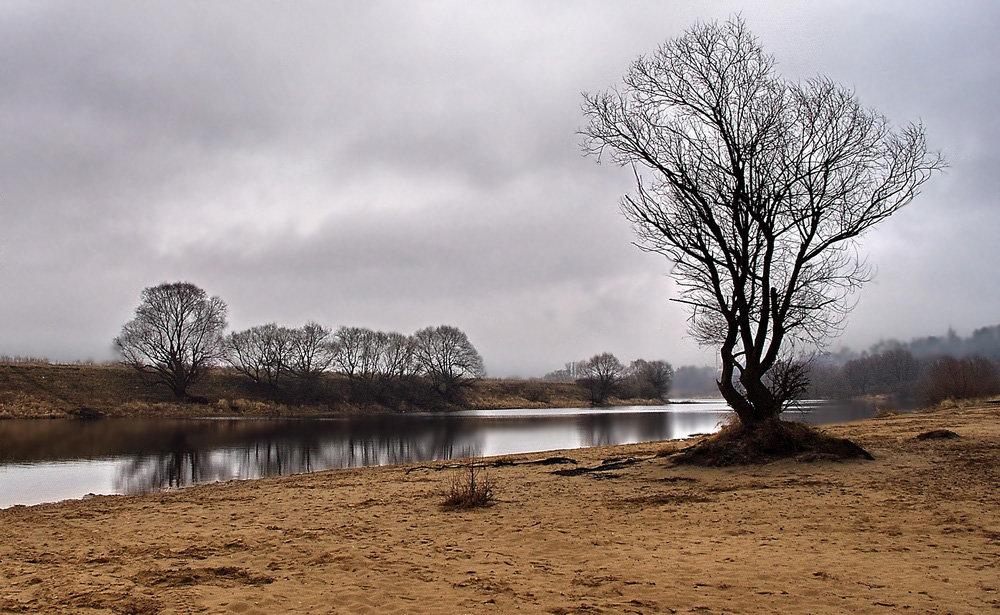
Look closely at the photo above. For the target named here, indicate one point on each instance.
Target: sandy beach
(917, 530)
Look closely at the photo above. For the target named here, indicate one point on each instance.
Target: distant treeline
(984, 342)
(909, 380)
(604, 376)
(923, 370)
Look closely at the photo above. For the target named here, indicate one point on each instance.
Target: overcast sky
(401, 164)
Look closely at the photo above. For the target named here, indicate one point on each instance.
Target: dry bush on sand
(471, 488)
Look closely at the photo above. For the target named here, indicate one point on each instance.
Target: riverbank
(917, 530)
(42, 390)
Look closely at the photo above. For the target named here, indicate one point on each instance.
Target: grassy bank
(42, 390)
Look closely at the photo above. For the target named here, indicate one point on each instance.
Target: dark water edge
(43, 461)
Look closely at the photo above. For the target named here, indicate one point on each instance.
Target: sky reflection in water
(43, 461)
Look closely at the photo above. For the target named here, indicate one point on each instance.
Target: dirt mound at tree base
(738, 444)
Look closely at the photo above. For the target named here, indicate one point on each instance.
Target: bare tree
(395, 358)
(353, 350)
(757, 189)
(652, 378)
(447, 358)
(859, 374)
(262, 353)
(372, 348)
(898, 367)
(570, 372)
(965, 378)
(176, 334)
(600, 375)
(312, 350)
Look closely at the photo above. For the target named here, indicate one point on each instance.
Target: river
(51, 460)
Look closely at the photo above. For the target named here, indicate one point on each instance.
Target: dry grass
(492, 394)
(250, 407)
(471, 488)
(737, 444)
(16, 404)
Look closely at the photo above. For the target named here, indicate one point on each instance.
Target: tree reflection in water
(146, 455)
(292, 447)
(238, 449)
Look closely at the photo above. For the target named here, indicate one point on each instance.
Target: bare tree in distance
(312, 350)
(757, 189)
(652, 378)
(395, 359)
(859, 374)
(353, 351)
(964, 378)
(898, 366)
(570, 372)
(176, 335)
(262, 353)
(600, 375)
(372, 348)
(446, 357)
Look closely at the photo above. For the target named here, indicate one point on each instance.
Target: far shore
(917, 530)
(240, 408)
(45, 391)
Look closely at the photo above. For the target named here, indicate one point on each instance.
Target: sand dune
(917, 530)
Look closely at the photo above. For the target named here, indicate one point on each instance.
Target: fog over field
(401, 164)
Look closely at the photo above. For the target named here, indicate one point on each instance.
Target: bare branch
(757, 189)
(176, 334)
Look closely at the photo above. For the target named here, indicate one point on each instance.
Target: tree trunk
(754, 404)
(758, 395)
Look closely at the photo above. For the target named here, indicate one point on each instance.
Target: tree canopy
(756, 188)
(176, 334)
(446, 357)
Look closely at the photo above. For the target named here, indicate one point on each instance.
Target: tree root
(606, 465)
(496, 463)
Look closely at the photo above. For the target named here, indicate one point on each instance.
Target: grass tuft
(472, 488)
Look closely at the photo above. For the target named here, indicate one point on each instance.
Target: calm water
(45, 461)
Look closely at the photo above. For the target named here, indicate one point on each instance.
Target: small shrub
(472, 488)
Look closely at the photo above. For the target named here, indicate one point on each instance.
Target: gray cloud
(397, 164)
